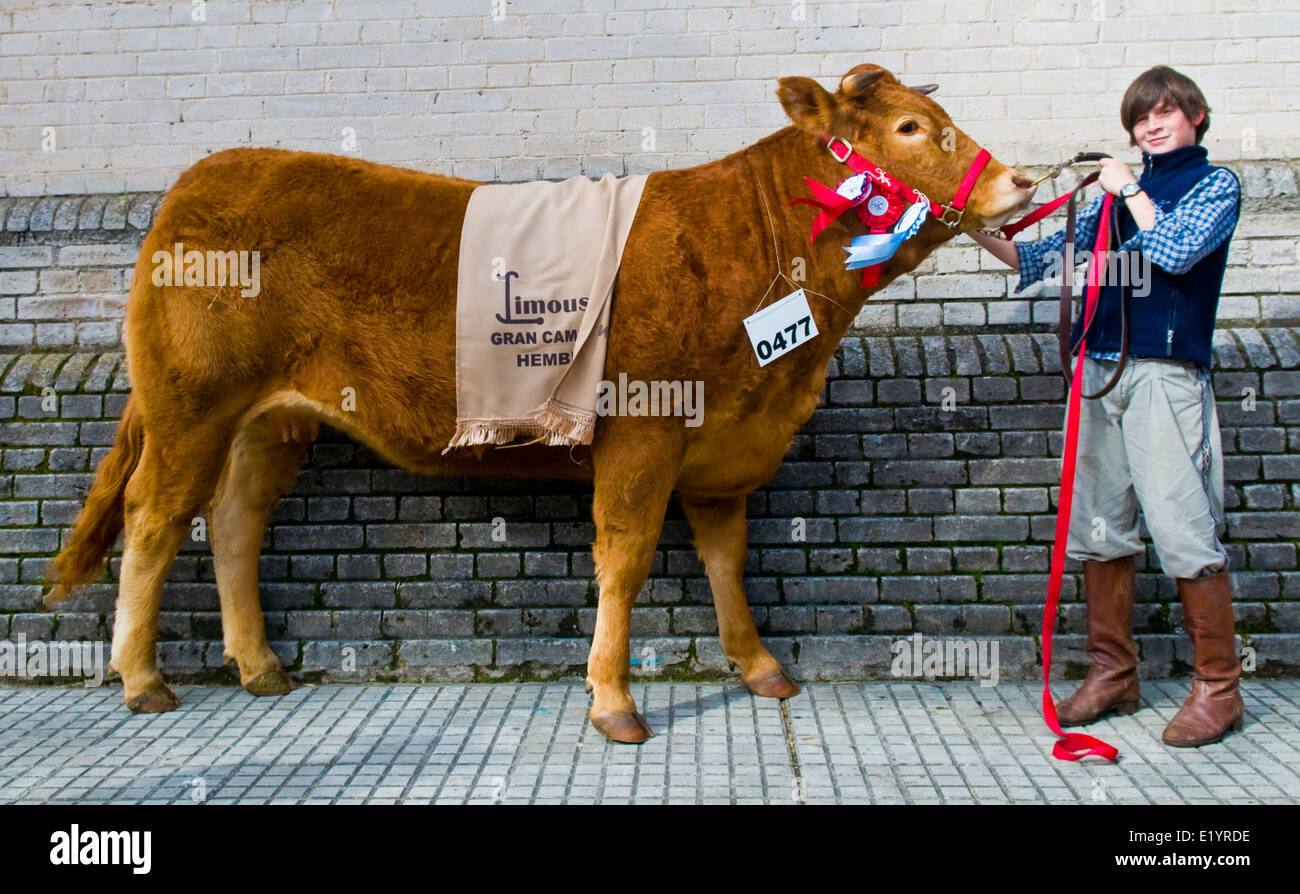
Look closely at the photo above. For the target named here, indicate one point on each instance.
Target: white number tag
(781, 327)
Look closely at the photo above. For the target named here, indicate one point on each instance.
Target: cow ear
(925, 88)
(807, 103)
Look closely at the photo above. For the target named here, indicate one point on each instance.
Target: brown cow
(358, 285)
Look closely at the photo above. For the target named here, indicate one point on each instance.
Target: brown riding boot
(1215, 705)
(1112, 681)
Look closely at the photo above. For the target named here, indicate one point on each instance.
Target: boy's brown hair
(1161, 84)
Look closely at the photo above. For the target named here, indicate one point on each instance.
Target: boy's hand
(1114, 174)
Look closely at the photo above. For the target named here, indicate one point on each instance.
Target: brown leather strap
(1066, 315)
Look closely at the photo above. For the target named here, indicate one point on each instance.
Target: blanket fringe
(574, 426)
(553, 424)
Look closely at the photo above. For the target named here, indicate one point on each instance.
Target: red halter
(832, 205)
(957, 207)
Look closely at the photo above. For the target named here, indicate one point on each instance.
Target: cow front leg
(722, 541)
(628, 508)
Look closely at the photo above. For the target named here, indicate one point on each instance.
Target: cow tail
(102, 516)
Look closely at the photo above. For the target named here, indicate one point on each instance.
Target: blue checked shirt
(1180, 236)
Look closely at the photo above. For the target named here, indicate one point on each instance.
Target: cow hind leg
(721, 540)
(169, 487)
(263, 461)
(628, 504)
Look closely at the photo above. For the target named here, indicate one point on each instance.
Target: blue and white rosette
(876, 248)
(856, 188)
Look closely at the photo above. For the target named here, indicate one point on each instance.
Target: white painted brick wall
(136, 91)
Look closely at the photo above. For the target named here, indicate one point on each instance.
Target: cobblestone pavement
(885, 743)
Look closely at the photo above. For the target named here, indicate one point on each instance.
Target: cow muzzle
(1003, 196)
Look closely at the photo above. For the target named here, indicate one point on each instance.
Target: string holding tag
(777, 253)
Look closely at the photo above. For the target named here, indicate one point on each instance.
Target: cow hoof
(272, 682)
(773, 685)
(154, 700)
(627, 726)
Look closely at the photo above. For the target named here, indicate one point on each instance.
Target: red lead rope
(1033, 217)
(1072, 746)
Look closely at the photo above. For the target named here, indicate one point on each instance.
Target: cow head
(909, 135)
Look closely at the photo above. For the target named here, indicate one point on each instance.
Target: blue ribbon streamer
(876, 248)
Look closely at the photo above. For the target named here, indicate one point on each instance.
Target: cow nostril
(1023, 181)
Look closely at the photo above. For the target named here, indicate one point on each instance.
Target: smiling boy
(1153, 440)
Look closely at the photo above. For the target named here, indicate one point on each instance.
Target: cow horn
(856, 85)
(925, 88)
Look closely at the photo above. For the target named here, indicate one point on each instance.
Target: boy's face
(1165, 128)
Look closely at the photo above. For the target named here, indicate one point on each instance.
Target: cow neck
(778, 164)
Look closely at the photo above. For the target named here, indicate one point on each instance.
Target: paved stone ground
(885, 743)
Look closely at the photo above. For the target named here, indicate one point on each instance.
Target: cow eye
(907, 127)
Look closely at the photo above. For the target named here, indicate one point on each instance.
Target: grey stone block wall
(918, 520)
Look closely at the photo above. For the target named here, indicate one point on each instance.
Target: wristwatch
(1129, 190)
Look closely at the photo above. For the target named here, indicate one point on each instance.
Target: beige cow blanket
(537, 268)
